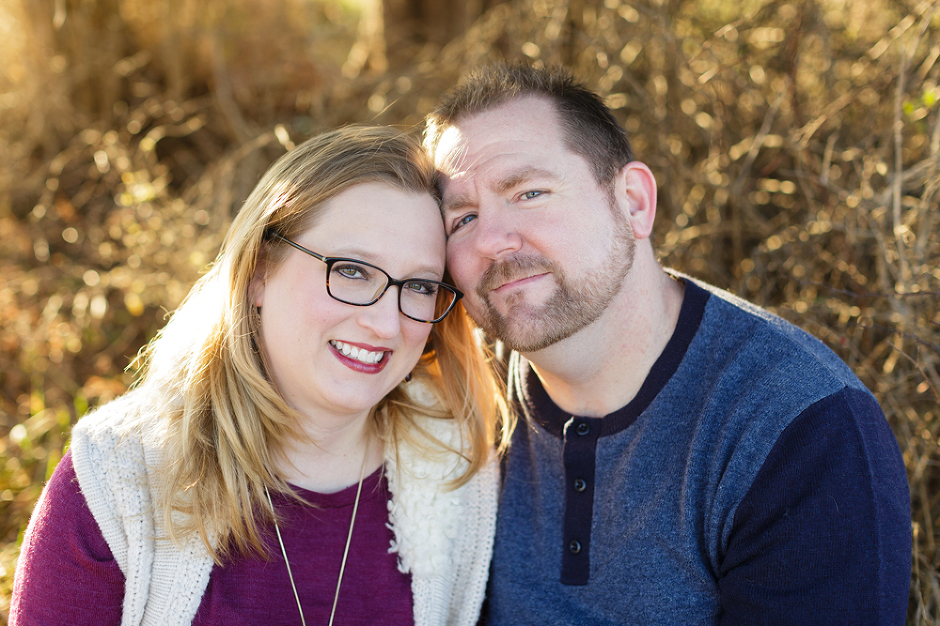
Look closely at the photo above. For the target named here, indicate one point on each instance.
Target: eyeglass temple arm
(274, 233)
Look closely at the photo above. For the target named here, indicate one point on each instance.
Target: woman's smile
(361, 358)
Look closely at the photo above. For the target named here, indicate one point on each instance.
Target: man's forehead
(450, 150)
(519, 119)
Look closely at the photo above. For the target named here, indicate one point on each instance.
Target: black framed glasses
(358, 283)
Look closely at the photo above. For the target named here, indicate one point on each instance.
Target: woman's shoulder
(113, 416)
(111, 466)
(109, 438)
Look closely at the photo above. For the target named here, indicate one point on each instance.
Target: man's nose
(495, 235)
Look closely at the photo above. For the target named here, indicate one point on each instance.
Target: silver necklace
(342, 567)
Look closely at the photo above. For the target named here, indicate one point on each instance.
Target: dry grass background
(796, 143)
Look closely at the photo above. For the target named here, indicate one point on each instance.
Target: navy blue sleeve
(824, 534)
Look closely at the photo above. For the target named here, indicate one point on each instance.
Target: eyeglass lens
(357, 283)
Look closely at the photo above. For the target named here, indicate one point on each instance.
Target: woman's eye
(351, 271)
(421, 287)
(531, 195)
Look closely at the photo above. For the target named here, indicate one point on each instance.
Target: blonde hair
(226, 420)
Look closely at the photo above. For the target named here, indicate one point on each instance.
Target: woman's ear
(256, 286)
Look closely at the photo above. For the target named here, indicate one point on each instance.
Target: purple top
(67, 574)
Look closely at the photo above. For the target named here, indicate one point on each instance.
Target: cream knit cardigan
(443, 538)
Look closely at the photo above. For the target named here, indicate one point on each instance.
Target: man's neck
(602, 367)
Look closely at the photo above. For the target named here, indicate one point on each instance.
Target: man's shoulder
(750, 372)
(737, 330)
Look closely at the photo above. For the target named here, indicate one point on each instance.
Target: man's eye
(531, 195)
(459, 223)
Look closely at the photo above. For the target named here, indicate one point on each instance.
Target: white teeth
(361, 355)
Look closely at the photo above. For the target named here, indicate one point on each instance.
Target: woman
(311, 440)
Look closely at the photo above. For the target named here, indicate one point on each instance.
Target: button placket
(580, 437)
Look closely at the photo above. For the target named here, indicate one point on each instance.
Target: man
(683, 457)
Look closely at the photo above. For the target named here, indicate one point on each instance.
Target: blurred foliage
(796, 144)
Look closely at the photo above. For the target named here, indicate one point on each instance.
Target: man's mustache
(512, 268)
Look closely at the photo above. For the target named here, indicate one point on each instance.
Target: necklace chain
(342, 568)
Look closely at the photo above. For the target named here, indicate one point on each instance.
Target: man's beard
(573, 305)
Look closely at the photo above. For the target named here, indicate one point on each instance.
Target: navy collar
(533, 402)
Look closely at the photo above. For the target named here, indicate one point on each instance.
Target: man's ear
(635, 190)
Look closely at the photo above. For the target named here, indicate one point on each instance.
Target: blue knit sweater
(753, 480)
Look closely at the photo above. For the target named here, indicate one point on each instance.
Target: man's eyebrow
(455, 203)
(511, 180)
(520, 176)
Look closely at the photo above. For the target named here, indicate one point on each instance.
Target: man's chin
(520, 333)
(530, 342)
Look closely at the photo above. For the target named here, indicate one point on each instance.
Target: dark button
(579, 484)
(584, 428)
(574, 547)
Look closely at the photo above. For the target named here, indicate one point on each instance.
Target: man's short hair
(590, 129)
